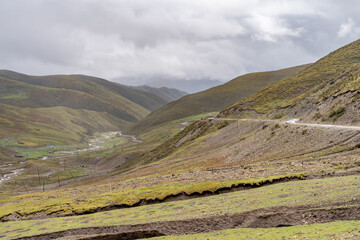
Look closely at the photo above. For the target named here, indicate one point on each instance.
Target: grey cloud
(182, 40)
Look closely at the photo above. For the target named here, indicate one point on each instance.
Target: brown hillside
(214, 99)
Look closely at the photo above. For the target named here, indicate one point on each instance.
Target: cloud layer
(140, 40)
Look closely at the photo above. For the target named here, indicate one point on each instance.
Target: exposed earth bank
(262, 218)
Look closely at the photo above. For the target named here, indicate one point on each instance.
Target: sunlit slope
(55, 125)
(79, 92)
(328, 90)
(65, 109)
(214, 99)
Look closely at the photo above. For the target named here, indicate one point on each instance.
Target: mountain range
(70, 108)
(279, 159)
(214, 99)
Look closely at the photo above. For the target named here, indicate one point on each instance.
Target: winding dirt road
(292, 122)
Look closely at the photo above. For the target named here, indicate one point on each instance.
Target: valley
(280, 161)
(62, 160)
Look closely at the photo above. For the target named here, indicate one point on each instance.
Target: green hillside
(169, 94)
(323, 91)
(65, 109)
(54, 125)
(107, 91)
(214, 99)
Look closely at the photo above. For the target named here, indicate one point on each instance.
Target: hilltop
(327, 91)
(78, 87)
(214, 99)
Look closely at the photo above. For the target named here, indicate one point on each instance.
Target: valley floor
(273, 179)
(58, 165)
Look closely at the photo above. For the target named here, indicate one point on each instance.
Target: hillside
(53, 125)
(214, 99)
(169, 94)
(228, 177)
(327, 91)
(103, 90)
(64, 109)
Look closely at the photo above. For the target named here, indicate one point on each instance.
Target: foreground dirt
(262, 218)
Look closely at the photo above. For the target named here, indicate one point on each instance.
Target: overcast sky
(143, 41)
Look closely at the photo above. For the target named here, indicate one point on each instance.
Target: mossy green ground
(333, 230)
(308, 192)
(87, 199)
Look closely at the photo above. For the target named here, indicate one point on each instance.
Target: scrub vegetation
(312, 192)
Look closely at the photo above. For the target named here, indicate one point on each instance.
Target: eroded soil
(261, 218)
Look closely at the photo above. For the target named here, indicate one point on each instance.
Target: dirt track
(262, 218)
(292, 122)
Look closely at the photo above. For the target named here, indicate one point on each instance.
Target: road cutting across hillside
(294, 121)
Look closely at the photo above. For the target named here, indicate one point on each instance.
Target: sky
(187, 44)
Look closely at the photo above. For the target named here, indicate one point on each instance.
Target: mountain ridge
(89, 84)
(67, 109)
(326, 91)
(213, 99)
(169, 94)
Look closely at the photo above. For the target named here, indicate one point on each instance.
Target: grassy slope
(97, 87)
(250, 148)
(80, 96)
(54, 125)
(326, 191)
(329, 77)
(333, 230)
(66, 201)
(64, 109)
(166, 131)
(169, 94)
(213, 99)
